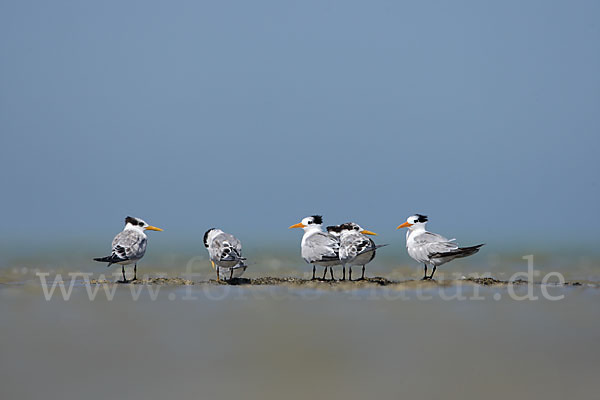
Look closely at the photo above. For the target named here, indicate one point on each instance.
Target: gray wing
(354, 245)
(321, 247)
(226, 247)
(432, 243)
(129, 245)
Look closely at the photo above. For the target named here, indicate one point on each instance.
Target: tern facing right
(430, 248)
(355, 247)
(129, 246)
(318, 247)
(224, 250)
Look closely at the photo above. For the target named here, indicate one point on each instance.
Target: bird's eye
(140, 223)
(356, 228)
(310, 222)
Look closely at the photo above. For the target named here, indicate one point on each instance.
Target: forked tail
(112, 259)
(462, 251)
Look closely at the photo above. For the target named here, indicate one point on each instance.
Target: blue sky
(251, 115)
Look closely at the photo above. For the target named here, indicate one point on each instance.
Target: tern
(224, 250)
(430, 248)
(318, 247)
(129, 246)
(355, 247)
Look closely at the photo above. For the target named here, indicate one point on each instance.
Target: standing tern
(129, 246)
(224, 250)
(318, 247)
(430, 248)
(355, 247)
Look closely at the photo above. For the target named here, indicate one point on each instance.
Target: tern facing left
(318, 247)
(430, 248)
(129, 246)
(224, 250)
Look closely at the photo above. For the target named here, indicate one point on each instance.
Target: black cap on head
(421, 218)
(349, 226)
(334, 228)
(133, 221)
(317, 219)
(206, 237)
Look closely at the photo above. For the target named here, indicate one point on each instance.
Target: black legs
(135, 272)
(362, 277)
(425, 277)
(123, 272)
(432, 272)
(331, 273)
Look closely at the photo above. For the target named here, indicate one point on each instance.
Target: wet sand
(336, 284)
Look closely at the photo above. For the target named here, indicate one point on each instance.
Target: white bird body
(130, 245)
(422, 245)
(319, 247)
(356, 249)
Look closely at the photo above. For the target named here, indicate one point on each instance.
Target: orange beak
(152, 228)
(298, 225)
(404, 225)
(366, 232)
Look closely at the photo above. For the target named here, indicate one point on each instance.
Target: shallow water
(274, 342)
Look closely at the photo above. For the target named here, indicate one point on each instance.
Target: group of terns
(346, 244)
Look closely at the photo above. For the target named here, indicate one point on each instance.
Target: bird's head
(209, 236)
(414, 221)
(334, 230)
(314, 221)
(139, 224)
(353, 227)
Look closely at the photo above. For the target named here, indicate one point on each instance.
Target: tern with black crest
(356, 248)
(430, 248)
(129, 246)
(225, 252)
(318, 247)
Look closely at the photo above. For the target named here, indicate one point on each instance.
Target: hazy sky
(250, 115)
